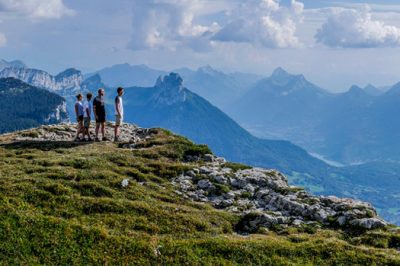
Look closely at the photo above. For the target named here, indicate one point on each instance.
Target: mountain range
(359, 125)
(64, 83)
(349, 128)
(221, 89)
(171, 105)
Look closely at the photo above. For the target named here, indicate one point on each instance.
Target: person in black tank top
(99, 110)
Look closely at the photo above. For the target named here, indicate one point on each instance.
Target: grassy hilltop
(66, 203)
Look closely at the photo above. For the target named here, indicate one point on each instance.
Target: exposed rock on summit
(266, 200)
(130, 134)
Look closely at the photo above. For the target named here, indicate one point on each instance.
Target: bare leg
(103, 130)
(97, 130)
(78, 130)
(116, 131)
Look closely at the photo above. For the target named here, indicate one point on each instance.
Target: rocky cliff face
(69, 80)
(59, 115)
(262, 197)
(170, 90)
(65, 83)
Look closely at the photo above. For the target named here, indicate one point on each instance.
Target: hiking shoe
(105, 139)
(90, 139)
(97, 139)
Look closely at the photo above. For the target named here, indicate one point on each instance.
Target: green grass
(236, 166)
(63, 203)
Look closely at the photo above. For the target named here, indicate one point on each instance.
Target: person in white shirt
(87, 117)
(119, 113)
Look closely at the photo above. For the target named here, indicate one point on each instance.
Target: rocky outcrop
(69, 80)
(130, 134)
(59, 115)
(262, 197)
(170, 90)
(265, 199)
(34, 77)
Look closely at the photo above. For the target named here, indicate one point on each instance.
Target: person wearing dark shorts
(99, 110)
(79, 117)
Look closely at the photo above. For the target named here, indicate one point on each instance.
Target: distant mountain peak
(206, 68)
(372, 90)
(68, 72)
(280, 73)
(171, 89)
(13, 64)
(170, 81)
(355, 88)
(369, 85)
(209, 70)
(92, 83)
(95, 77)
(394, 90)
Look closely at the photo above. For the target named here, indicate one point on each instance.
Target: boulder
(368, 223)
(205, 184)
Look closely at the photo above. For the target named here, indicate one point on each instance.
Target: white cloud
(265, 22)
(168, 24)
(36, 9)
(173, 24)
(355, 28)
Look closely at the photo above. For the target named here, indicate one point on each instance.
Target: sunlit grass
(62, 203)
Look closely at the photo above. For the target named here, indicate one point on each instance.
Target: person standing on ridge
(87, 110)
(79, 117)
(99, 110)
(119, 113)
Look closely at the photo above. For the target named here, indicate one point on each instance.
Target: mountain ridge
(311, 117)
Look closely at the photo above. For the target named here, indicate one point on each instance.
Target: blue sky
(334, 43)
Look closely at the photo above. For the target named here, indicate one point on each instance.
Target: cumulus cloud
(172, 24)
(265, 22)
(168, 24)
(355, 28)
(36, 9)
(33, 9)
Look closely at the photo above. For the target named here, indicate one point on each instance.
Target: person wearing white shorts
(118, 120)
(119, 113)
